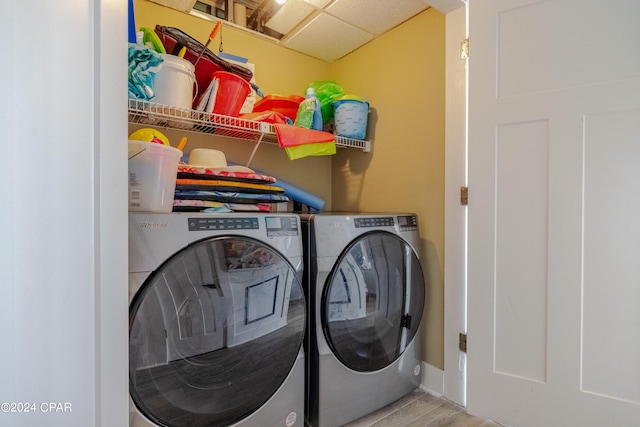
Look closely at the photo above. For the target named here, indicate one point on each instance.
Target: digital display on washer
(408, 222)
(279, 226)
(379, 221)
(224, 223)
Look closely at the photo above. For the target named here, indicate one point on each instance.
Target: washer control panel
(279, 226)
(223, 223)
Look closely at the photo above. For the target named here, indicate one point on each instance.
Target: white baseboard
(432, 379)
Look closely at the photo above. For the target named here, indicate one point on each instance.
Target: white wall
(63, 293)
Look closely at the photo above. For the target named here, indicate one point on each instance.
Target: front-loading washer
(216, 320)
(365, 292)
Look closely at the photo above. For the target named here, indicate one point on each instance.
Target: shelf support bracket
(255, 149)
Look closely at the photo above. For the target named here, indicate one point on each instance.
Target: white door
(554, 212)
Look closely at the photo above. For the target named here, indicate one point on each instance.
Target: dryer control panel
(373, 221)
(405, 222)
(408, 222)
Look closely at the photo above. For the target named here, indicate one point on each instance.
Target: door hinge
(464, 196)
(462, 342)
(405, 322)
(464, 49)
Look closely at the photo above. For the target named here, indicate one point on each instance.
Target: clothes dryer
(365, 292)
(217, 320)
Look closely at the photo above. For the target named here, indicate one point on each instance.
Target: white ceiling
(324, 29)
(330, 29)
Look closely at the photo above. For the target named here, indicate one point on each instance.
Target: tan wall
(402, 73)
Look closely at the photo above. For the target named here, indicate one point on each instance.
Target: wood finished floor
(421, 409)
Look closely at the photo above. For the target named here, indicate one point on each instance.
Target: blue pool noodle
(295, 193)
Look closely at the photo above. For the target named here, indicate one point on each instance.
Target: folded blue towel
(142, 70)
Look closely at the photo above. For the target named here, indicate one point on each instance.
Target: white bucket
(153, 169)
(173, 82)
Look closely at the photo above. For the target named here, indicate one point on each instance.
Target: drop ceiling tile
(376, 16)
(289, 15)
(445, 6)
(318, 3)
(327, 38)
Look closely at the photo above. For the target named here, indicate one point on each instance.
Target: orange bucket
(232, 92)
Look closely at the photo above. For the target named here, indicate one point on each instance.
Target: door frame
(455, 311)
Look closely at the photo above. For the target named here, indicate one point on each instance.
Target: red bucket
(232, 92)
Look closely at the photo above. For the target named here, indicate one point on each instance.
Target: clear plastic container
(153, 169)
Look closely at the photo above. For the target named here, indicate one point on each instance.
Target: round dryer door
(214, 332)
(373, 300)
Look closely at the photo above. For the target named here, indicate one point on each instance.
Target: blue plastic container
(351, 114)
(132, 24)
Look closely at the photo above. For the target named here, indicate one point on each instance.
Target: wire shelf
(148, 113)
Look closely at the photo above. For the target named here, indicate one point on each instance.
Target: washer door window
(372, 305)
(214, 332)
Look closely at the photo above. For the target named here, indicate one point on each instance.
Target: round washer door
(214, 333)
(373, 301)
